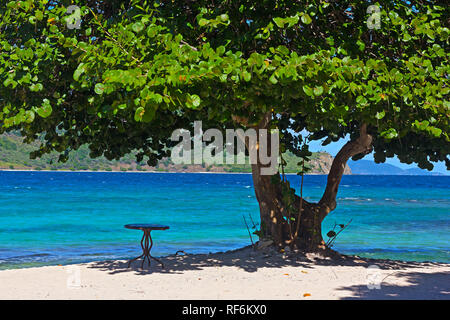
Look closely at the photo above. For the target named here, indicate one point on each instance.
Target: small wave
(93, 254)
(35, 255)
(355, 199)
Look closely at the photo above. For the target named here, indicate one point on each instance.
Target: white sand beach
(239, 274)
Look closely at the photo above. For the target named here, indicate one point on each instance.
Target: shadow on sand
(245, 258)
(408, 285)
(249, 260)
(415, 286)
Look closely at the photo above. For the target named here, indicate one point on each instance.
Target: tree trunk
(310, 229)
(271, 208)
(268, 192)
(274, 213)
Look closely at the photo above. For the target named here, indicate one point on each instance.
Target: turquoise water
(60, 217)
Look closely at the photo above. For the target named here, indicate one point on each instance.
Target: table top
(142, 226)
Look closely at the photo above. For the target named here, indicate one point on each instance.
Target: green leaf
(406, 37)
(361, 45)
(193, 101)
(380, 115)
(203, 22)
(29, 116)
(422, 125)
(306, 19)
(247, 76)
(45, 110)
(318, 91)
(435, 131)
(78, 72)
(39, 15)
(389, 134)
(308, 91)
(36, 87)
(138, 27)
(139, 114)
(221, 50)
(99, 88)
(279, 22)
(361, 100)
(224, 17)
(273, 79)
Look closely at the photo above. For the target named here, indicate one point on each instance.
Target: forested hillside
(16, 155)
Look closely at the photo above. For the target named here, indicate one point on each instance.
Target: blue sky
(333, 149)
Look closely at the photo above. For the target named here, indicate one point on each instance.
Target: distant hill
(371, 168)
(14, 155)
(418, 171)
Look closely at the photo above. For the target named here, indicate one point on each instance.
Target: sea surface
(49, 218)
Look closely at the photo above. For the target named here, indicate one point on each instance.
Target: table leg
(146, 248)
(151, 245)
(143, 251)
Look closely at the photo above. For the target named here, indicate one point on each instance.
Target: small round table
(147, 228)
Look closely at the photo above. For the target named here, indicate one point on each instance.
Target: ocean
(49, 218)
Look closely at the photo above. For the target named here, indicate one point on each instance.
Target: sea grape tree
(137, 70)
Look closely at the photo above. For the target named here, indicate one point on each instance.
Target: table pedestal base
(146, 250)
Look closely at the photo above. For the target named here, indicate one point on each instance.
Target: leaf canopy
(137, 70)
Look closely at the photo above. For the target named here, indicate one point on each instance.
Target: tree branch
(361, 145)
